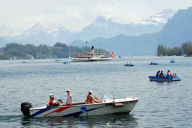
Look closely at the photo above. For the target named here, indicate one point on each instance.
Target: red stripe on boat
(59, 110)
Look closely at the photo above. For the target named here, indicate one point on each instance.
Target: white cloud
(75, 14)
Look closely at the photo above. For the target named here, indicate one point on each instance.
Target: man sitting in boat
(169, 75)
(162, 75)
(158, 74)
(69, 98)
(51, 101)
(90, 99)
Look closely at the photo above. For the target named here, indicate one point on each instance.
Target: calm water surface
(160, 105)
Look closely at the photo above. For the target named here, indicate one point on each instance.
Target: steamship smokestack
(92, 50)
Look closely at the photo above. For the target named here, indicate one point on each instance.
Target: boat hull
(160, 79)
(131, 65)
(153, 64)
(172, 61)
(89, 59)
(81, 109)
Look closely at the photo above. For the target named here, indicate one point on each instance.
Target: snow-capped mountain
(160, 18)
(38, 34)
(106, 28)
(175, 32)
(100, 27)
(8, 31)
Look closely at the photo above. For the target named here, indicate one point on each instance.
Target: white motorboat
(111, 106)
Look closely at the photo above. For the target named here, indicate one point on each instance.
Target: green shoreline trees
(29, 51)
(185, 49)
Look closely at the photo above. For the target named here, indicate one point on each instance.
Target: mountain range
(100, 27)
(123, 39)
(37, 34)
(176, 31)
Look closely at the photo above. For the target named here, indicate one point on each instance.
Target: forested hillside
(29, 51)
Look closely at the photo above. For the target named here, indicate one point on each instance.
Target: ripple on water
(160, 104)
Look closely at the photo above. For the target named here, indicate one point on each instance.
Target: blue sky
(75, 14)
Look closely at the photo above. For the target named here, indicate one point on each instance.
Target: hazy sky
(75, 14)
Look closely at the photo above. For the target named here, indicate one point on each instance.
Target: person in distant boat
(162, 75)
(51, 101)
(169, 74)
(174, 75)
(69, 98)
(90, 99)
(158, 74)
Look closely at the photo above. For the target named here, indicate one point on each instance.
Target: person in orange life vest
(90, 99)
(51, 101)
(69, 98)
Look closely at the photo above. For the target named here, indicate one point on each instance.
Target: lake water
(167, 104)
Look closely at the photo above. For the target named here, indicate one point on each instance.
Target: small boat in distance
(172, 61)
(161, 79)
(153, 63)
(92, 56)
(66, 62)
(105, 107)
(129, 64)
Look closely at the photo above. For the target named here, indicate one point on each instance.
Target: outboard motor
(25, 106)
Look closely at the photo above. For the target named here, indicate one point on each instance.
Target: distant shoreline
(14, 51)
